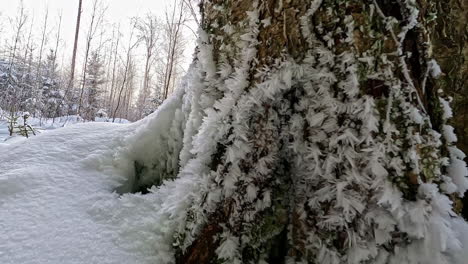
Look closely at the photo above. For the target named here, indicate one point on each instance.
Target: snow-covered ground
(45, 124)
(3, 130)
(58, 202)
(46, 200)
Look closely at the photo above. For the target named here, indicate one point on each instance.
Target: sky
(118, 11)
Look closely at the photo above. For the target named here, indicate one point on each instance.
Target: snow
(3, 130)
(449, 133)
(58, 202)
(434, 68)
(228, 247)
(416, 116)
(44, 124)
(448, 113)
(458, 170)
(46, 193)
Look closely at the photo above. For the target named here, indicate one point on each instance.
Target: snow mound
(58, 202)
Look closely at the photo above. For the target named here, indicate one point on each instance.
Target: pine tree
(94, 80)
(52, 95)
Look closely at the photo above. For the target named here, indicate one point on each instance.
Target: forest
(235, 131)
(122, 69)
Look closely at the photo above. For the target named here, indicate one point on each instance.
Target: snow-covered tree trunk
(318, 134)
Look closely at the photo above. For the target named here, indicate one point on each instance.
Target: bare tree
(75, 45)
(97, 17)
(18, 24)
(57, 36)
(175, 20)
(29, 51)
(28, 41)
(43, 40)
(107, 62)
(190, 5)
(36, 92)
(128, 60)
(57, 42)
(149, 30)
(129, 88)
(117, 37)
(193, 10)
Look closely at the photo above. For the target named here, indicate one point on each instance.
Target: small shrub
(23, 129)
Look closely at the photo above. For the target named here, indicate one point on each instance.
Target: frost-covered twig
(398, 42)
(433, 69)
(426, 74)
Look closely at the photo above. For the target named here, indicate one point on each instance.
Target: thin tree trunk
(114, 68)
(108, 63)
(125, 76)
(28, 42)
(57, 41)
(93, 25)
(75, 45)
(21, 18)
(174, 29)
(38, 83)
(57, 37)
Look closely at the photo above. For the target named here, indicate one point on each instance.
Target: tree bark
(449, 35)
(329, 121)
(75, 46)
(450, 46)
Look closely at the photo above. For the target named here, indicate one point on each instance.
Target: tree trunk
(97, 17)
(174, 25)
(451, 52)
(39, 82)
(75, 46)
(114, 68)
(450, 45)
(321, 136)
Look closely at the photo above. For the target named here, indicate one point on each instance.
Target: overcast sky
(118, 11)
